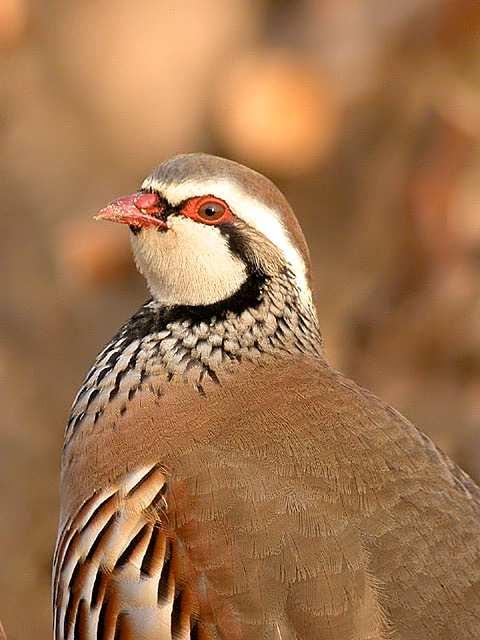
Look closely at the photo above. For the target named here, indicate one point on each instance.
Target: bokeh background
(365, 112)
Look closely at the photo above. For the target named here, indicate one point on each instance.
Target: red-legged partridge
(220, 481)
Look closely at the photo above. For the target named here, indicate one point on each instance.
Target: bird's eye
(211, 211)
(207, 210)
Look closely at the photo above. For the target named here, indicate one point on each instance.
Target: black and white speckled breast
(171, 343)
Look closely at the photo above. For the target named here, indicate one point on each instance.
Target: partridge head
(203, 226)
(219, 478)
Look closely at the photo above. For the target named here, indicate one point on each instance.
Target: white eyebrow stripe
(250, 210)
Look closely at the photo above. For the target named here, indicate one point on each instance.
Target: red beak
(139, 210)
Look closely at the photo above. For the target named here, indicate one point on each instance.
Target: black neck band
(151, 318)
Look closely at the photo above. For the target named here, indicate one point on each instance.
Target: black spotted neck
(263, 319)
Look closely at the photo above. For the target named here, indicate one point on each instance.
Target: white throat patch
(252, 211)
(190, 264)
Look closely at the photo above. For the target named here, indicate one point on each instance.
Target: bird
(220, 479)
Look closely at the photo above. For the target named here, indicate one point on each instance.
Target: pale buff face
(192, 264)
(189, 264)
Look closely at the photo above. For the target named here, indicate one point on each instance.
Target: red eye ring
(208, 210)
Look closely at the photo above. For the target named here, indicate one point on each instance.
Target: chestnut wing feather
(119, 571)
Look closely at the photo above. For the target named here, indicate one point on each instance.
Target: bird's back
(281, 502)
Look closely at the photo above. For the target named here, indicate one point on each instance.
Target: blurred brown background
(365, 112)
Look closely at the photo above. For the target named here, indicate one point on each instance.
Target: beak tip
(107, 213)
